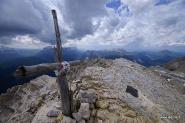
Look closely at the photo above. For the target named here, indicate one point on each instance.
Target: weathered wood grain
(61, 78)
(24, 71)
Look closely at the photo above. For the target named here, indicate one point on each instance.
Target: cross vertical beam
(58, 39)
(61, 77)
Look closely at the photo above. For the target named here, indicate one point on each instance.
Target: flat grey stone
(53, 113)
(84, 110)
(81, 121)
(77, 116)
(88, 96)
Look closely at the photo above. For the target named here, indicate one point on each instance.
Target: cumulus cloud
(26, 42)
(147, 23)
(97, 24)
(34, 18)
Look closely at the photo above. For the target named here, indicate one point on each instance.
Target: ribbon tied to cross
(63, 68)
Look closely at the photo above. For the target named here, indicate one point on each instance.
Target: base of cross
(65, 94)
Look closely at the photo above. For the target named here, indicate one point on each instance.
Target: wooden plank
(24, 71)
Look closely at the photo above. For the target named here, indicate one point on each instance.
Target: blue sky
(97, 24)
(161, 2)
(115, 4)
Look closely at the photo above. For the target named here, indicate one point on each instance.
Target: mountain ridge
(109, 78)
(146, 58)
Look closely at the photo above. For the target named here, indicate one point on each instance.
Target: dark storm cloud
(33, 17)
(25, 17)
(79, 14)
(15, 28)
(18, 17)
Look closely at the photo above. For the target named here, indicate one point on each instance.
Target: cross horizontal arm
(23, 71)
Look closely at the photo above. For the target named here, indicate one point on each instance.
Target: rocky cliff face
(105, 91)
(176, 65)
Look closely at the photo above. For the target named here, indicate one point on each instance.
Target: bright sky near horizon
(94, 24)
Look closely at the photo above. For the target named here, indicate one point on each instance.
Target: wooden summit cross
(59, 66)
(61, 77)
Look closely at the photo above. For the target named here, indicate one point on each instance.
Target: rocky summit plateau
(104, 91)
